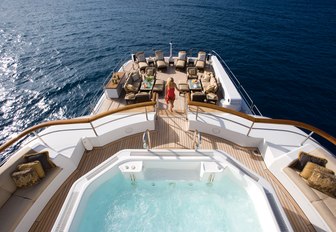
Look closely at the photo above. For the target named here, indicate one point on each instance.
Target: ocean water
(55, 55)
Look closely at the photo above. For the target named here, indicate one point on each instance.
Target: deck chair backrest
(182, 55)
(159, 55)
(140, 56)
(201, 56)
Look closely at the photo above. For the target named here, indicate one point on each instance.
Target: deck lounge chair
(200, 61)
(159, 86)
(141, 60)
(198, 96)
(181, 60)
(159, 60)
(149, 72)
(192, 73)
(143, 97)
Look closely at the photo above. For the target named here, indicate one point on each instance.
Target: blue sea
(56, 55)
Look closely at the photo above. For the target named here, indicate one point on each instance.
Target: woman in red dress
(170, 93)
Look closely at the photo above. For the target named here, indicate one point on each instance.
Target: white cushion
(141, 57)
(182, 55)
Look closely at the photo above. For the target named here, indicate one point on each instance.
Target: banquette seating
(315, 176)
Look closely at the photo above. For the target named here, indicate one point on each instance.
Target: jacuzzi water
(119, 205)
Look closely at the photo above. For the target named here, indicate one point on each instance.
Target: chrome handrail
(248, 100)
(98, 95)
(197, 139)
(146, 140)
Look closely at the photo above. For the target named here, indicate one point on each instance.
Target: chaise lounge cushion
(200, 61)
(159, 86)
(181, 59)
(141, 60)
(160, 63)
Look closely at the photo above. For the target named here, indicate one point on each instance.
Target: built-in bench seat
(324, 204)
(15, 202)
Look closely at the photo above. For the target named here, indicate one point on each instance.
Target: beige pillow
(36, 165)
(207, 78)
(150, 72)
(135, 77)
(324, 182)
(192, 71)
(25, 178)
(310, 167)
(210, 89)
(130, 87)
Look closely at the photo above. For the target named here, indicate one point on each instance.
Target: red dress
(170, 94)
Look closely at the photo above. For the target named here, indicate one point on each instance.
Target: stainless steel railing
(248, 100)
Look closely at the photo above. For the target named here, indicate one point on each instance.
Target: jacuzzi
(171, 190)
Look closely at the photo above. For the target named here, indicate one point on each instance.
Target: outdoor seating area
(315, 176)
(150, 75)
(25, 179)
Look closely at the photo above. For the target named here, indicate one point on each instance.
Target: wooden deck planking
(170, 134)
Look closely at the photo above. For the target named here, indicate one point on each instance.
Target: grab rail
(197, 139)
(254, 120)
(248, 100)
(89, 120)
(97, 95)
(146, 140)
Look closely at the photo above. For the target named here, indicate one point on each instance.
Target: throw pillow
(304, 158)
(36, 165)
(192, 71)
(324, 182)
(130, 87)
(210, 89)
(207, 78)
(310, 167)
(43, 157)
(25, 178)
(135, 76)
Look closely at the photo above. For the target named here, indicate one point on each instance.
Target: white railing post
(146, 140)
(248, 133)
(94, 130)
(170, 50)
(197, 112)
(197, 140)
(146, 113)
(310, 134)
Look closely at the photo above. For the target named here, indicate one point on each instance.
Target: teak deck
(171, 133)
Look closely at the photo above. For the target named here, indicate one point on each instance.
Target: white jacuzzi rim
(76, 192)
